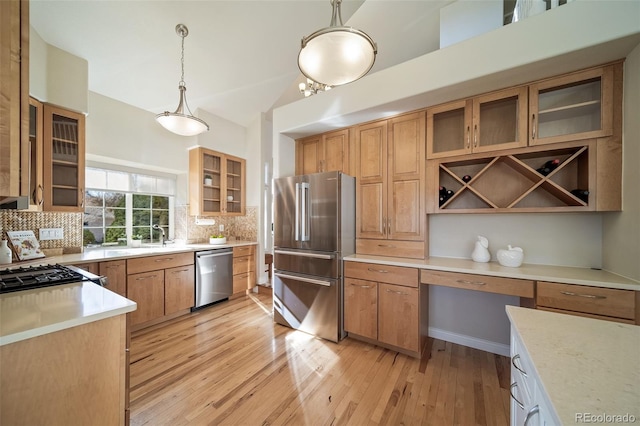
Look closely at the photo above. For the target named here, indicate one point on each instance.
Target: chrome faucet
(158, 228)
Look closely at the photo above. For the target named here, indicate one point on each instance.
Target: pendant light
(182, 122)
(336, 55)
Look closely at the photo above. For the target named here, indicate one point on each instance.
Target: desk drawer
(591, 300)
(509, 286)
(407, 277)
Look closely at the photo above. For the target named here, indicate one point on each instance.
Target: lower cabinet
(162, 286)
(385, 305)
(244, 269)
(116, 273)
(528, 402)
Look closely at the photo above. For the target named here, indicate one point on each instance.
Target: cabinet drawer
(153, 263)
(243, 264)
(509, 286)
(585, 315)
(591, 300)
(395, 248)
(382, 273)
(242, 282)
(244, 251)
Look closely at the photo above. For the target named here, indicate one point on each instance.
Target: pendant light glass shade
(181, 121)
(337, 54)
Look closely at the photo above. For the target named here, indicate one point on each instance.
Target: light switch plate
(50, 234)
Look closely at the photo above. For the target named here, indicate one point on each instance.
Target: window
(120, 205)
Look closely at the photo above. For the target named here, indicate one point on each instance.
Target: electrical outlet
(221, 228)
(51, 234)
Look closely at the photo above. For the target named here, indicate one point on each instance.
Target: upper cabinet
(323, 153)
(390, 176)
(36, 155)
(572, 107)
(488, 122)
(64, 159)
(216, 183)
(14, 98)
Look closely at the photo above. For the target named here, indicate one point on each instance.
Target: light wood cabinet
(244, 269)
(147, 290)
(324, 153)
(116, 273)
(64, 159)
(179, 289)
(594, 302)
(361, 307)
(14, 98)
(385, 305)
(574, 106)
(492, 121)
(391, 180)
(75, 376)
(216, 183)
(587, 178)
(485, 283)
(163, 286)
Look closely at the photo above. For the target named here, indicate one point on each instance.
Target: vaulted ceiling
(240, 56)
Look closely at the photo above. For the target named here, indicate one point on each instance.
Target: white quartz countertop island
(586, 367)
(31, 313)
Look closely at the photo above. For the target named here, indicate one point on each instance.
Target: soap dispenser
(5, 253)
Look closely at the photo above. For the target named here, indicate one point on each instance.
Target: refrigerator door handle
(306, 280)
(297, 253)
(297, 219)
(304, 190)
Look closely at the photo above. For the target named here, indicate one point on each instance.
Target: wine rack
(512, 182)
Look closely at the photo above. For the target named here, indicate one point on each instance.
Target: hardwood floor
(231, 365)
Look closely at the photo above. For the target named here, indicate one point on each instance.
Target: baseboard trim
(472, 342)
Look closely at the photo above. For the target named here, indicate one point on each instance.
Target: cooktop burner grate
(24, 278)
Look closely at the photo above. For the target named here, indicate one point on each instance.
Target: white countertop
(116, 253)
(560, 274)
(584, 365)
(31, 313)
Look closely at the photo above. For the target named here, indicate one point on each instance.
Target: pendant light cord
(182, 35)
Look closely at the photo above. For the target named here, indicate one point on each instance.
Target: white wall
(621, 243)
(462, 20)
(37, 65)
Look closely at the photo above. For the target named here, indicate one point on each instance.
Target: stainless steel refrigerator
(314, 227)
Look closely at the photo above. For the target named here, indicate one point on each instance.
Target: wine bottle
(466, 178)
(442, 191)
(449, 193)
(582, 194)
(442, 200)
(548, 167)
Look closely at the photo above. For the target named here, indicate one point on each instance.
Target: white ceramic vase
(481, 251)
(511, 257)
(5, 253)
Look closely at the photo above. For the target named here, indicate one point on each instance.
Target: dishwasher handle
(207, 256)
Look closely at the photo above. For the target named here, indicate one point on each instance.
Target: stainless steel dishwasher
(214, 276)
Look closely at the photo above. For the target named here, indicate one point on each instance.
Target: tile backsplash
(186, 229)
(71, 224)
(238, 227)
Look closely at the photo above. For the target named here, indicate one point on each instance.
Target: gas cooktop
(24, 278)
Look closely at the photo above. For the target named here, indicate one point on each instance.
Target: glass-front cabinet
(63, 163)
(490, 122)
(216, 183)
(572, 107)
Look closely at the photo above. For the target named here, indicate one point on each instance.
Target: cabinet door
(63, 160)
(36, 188)
(147, 290)
(335, 152)
(234, 186)
(572, 107)
(500, 120)
(405, 175)
(205, 182)
(371, 174)
(398, 316)
(14, 98)
(361, 307)
(449, 129)
(308, 155)
(179, 289)
(116, 273)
